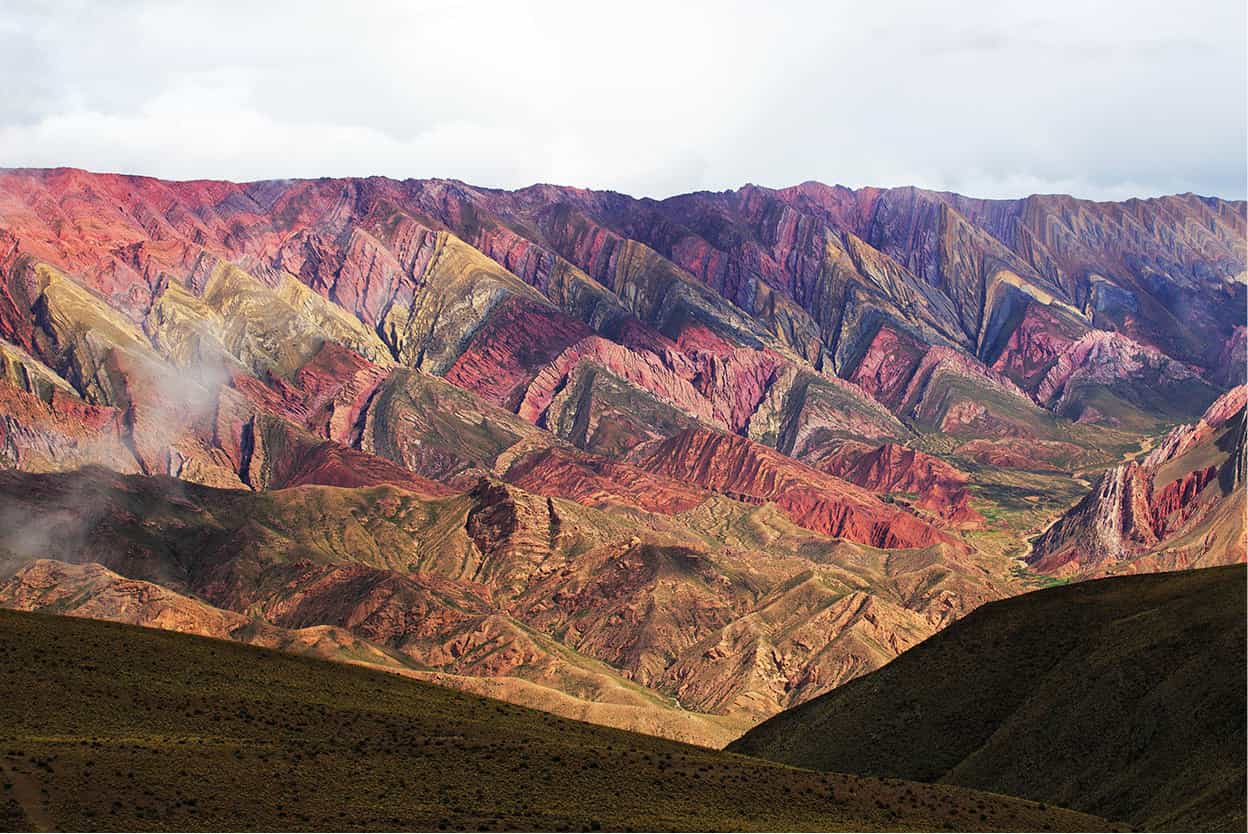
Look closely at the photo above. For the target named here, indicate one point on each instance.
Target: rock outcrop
(1180, 506)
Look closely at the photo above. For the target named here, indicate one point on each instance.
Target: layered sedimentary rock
(935, 485)
(594, 481)
(1107, 377)
(739, 468)
(611, 456)
(1180, 506)
(970, 270)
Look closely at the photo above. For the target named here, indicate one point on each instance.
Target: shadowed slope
(109, 727)
(1123, 697)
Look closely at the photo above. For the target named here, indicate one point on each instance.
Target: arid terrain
(668, 466)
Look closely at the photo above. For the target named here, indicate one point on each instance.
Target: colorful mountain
(668, 465)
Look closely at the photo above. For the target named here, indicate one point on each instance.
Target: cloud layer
(994, 99)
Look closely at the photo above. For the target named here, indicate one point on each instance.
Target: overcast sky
(989, 98)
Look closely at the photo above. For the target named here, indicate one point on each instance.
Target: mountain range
(671, 466)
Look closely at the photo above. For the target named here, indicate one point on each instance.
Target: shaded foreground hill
(106, 726)
(1122, 697)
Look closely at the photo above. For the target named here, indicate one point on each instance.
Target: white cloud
(988, 98)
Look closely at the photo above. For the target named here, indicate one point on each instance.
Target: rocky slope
(565, 605)
(1179, 506)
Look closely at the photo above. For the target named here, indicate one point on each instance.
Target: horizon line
(564, 186)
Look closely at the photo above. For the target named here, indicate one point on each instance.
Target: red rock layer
(888, 366)
(64, 433)
(1034, 346)
(1175, 503)
(331, 464)
(907, 376)
(1226, 407)
(1182, 438)
(742, 469)
(722, 388)
(504, 354)
(645, 370)
(328, 395)
(594, 481)
(941, 488)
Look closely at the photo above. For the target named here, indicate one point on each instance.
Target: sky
(990, 98)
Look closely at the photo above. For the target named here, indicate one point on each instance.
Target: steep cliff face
(827, 272)
(1115, 519)
(1170, 290)
(1181, 506)
(953, 270)
(1232, 359)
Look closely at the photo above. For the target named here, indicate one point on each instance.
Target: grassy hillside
(1123, 697)
(108, 726)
